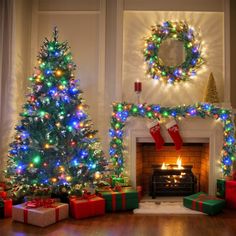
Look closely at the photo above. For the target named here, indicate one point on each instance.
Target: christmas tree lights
(122, 111)
(54, 144)
(177, 31)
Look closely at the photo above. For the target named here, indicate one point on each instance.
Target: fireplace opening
(168, 172)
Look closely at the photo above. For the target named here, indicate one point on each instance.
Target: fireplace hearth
(172, 180)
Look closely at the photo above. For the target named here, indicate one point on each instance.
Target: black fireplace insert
(172, 181)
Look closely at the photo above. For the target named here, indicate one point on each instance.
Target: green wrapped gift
(121, 181)
(204, 203)
(220, 184)
(125, 199)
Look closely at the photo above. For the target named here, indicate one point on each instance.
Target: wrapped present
(121, 181)
(210, 205)
(5, 208)
(3, 194)
(220, 184)
(83, 207)
(230, 194)
(40, 214)
(122, 199)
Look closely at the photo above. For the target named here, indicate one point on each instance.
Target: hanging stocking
(173, 130)
(155, 131)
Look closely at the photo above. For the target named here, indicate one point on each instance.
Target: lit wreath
(176, 31)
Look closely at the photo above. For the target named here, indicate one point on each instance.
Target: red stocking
(173, 130)
(154, 128)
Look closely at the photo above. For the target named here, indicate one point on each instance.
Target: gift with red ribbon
(40, 212)
(119, 199)
(203, 202)
(87, 205)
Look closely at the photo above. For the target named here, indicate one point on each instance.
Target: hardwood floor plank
(126, 223)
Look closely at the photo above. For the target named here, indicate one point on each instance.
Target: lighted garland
(122, 111)
(177, 31)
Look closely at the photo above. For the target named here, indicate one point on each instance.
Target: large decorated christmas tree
(55, 142)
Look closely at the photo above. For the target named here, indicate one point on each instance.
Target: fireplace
(206, 134)
(171, 172)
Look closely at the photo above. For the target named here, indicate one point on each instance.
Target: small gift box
(204, 203)
(40, 213)
(3, 194)
(5, 208)
(120, 198)
(84, 207)
(220, 185)
(120, 181)
(230, 194)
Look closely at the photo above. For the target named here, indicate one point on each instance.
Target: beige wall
(233, 52)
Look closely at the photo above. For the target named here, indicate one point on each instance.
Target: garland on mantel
(122, 111)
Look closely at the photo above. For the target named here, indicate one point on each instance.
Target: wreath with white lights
(180, 31)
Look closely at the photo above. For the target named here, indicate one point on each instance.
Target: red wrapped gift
(5, 208)
(3, 194)
(230, 194)
(82, 208)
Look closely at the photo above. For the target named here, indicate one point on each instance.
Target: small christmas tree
(54, 144)
(211, 95)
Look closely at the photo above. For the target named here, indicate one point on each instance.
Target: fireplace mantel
(192, 130)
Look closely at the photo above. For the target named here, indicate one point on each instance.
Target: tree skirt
(164, 207)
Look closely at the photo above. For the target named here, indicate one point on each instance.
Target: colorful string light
(180, 31)
(122, 111)
(51, 146)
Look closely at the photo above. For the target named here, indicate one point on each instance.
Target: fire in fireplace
(169, 179)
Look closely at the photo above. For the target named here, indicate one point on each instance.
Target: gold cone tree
(211, 95)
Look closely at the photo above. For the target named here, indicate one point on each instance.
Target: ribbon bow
(46, 203)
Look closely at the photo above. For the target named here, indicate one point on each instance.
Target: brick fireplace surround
(208, 133)
(194, 154)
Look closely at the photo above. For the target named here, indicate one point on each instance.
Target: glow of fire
(179, 163)
(164, 166)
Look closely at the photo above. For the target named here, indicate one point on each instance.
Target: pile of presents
(45, 211)
(211, 205)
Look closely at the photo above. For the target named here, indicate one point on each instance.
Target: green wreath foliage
(180, 31)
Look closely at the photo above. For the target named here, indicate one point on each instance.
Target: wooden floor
(126, 223)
